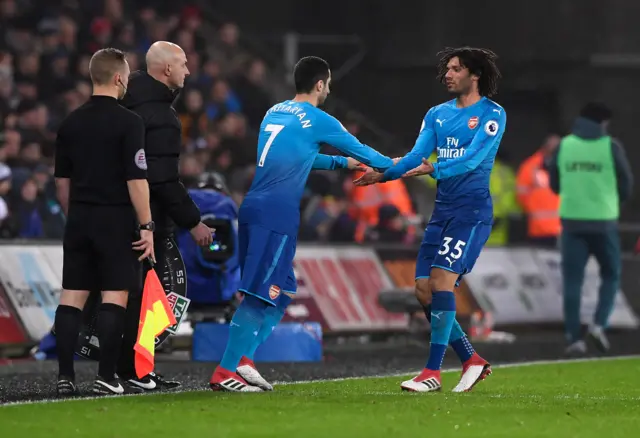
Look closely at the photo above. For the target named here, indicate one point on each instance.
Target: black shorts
(98, 254)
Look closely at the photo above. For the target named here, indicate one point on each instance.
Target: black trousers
(126, 366)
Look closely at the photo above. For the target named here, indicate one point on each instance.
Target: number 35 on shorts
(451, 250)
(460, 247)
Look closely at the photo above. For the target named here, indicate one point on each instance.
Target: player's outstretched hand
(424, 169)
(353, 164)
(145, 244)
(202, 234)
(369, 177)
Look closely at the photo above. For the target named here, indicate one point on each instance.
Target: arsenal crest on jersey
(473, 122)
(274, 292)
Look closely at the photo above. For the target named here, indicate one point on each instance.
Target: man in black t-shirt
(100, 170)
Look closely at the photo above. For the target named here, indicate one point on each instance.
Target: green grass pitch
(575, 399)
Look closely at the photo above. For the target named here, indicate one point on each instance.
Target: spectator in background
(81, 71)
(11, 148)
(50, 211)
(114, 11)
(28, 67)
(33, 123)
(366, 201)
(190, 170)
(251, 90)
(323, 210)
(185, 39)
(191, 21)
(591, 173)
(391, 226)
(193, 118)
(67, 33)
(210, 73)
(223, 101)
(100, 34)
(125, 40)
(227, 51)
(26, 212)
(538, 202)
(55, 72)
(26, 89)
(30, 156)
(236, 141)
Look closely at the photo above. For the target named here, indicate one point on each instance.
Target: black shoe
(66, 387)
(115, 386)
(153, 382)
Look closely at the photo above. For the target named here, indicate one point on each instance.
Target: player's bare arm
(426, 168)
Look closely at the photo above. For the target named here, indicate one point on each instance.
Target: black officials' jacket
(170, 201)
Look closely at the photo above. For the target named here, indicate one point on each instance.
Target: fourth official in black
(100, 170)
(151, 94)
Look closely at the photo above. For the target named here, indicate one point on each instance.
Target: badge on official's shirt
(141, 159)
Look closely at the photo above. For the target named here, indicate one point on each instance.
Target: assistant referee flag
(155, 316)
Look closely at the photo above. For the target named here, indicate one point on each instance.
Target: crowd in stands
(45, 47)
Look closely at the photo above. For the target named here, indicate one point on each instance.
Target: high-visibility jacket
(502, 185)
(536, 198)
(365, 202)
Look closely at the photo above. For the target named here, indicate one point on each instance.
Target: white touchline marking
(511, 396)
(408, 373)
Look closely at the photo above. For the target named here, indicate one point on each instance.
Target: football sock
(110, 327)
(67, 328)
(272, 317)
(458, 339)
(443, 316)
(243, 330)
(460, 343)
(126, 362)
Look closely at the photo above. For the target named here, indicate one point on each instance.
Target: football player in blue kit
(288, 145)
(465, 132)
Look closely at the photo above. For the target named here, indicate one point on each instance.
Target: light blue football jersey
(466, 141)
(288, 149)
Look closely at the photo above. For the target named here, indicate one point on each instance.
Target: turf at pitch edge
(340, 379)
(567, 399)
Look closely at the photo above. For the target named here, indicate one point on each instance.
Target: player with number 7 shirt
(288, 149)
(465, 132)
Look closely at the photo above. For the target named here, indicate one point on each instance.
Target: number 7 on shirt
(274, 130)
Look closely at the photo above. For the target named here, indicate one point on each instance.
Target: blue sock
(443, 316)
(460, 343)
(244, 328)
(273, 316)
(458, 340)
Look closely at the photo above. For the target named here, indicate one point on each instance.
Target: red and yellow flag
(155, 316)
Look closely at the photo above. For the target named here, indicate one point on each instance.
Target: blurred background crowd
(45, 47)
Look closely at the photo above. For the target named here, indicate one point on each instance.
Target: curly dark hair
(480, 62)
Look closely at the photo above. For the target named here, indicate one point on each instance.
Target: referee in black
(100, 170)
(151, 95)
